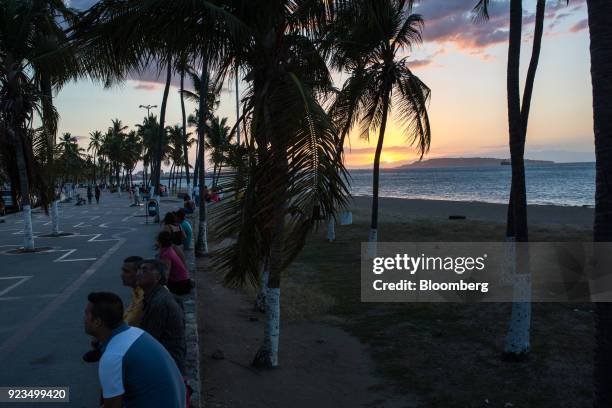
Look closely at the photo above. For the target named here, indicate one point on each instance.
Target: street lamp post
(148, 108)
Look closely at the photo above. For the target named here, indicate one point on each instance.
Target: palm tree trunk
(267, 355)
(184, 116)
(260, 300)
(162, 119)
(180, 180)
(601, 72)
(237, 109)
(24, 187)
(517, 339)
(201, 247)
(373, 238)
(197, 164)
(48, 122)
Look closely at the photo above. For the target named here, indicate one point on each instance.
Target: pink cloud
(580, 26)
(420, 63)
(146, 86)
(452, 21)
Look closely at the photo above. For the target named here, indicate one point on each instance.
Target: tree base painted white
(331, 229)
(260, 300)
(267, 356)
(157, 216)
(517, 343)
(346, 218)
(372, 244)
(28, 235)
(55, 218)
(202, 241)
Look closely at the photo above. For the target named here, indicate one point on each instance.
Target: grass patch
(449, 354)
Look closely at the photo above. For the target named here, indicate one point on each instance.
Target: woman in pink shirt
(177, 273)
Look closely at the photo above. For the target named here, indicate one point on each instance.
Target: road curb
(192, 358)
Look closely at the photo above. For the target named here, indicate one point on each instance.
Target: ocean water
(567, 184)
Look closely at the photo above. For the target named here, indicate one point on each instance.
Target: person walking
(89, 194)
(97, 194)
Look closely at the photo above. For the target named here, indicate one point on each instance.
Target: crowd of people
(141, 349)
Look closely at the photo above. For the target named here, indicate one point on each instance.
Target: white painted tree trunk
(28, 234)
(331, 229)
(372, 244)
(55, 217)
(157, 216)
(517, 342)
(260, 300)
(346, 218)
(272, 329)
(204, 232)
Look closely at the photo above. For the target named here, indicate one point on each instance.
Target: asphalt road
(43, 295)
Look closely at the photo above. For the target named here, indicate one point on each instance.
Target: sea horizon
(561, 184)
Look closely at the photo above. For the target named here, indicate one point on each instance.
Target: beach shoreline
(537, 214)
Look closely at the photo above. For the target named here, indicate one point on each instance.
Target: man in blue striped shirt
(135, 370)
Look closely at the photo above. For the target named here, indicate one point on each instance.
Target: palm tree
(162, 135)
(175, 148)
(21, 52)
(115, 148)
(214, 89)
(53, 64)
(218, 141)
(131, 153)
(183, 68)
(601, 71)
(148, 132)
(517, 342)
(69, 158)
(95, 142)
(292, 158)
(380, 77)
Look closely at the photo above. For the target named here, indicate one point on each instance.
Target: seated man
(133, 314)
(135, 370)
(163, 317)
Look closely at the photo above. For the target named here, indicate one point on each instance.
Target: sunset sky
(463, 63)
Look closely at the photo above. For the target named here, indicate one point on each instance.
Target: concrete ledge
(192, 359)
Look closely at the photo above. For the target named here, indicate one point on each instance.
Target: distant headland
(467, 162)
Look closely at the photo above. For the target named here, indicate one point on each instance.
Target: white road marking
(22, 279)
(124, 219)
(95, 239)
(95, 217)
(9, 298)
(68, 253)
(25, 330)
(20, 232)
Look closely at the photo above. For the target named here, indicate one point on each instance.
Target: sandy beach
(542, 215)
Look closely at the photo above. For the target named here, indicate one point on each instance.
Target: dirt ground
(320, 365)
(336, 351)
